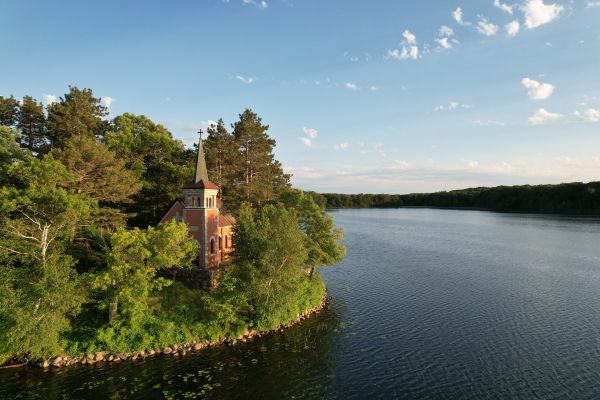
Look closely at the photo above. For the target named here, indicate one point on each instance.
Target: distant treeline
(566, 198)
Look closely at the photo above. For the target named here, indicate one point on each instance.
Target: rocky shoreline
(174, 350)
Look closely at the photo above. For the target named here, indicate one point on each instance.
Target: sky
(381, 96)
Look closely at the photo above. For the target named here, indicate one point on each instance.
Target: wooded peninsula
(85, 265)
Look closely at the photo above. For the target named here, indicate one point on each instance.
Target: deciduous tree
(134, 259)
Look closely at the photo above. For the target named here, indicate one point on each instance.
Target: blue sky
(379, 96)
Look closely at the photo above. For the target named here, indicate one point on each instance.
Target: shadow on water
(278, 365)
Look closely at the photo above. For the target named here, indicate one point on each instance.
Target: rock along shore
(174, 350)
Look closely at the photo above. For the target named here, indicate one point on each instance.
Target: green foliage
(77, 114)
(222, 159)
(36, 303)
(38, 216)
(31, 121)
(269, 255)
(242, 162)
(133, 262)
(159, 162)
(566, 198)
(10, 153)
(68, 185)
(322, 237)
(9, 108)
(99, 174)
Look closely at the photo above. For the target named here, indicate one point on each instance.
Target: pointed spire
(201, 171)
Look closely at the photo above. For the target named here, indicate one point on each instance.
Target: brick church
(200, 209)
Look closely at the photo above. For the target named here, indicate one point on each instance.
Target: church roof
(226, 220)
(202, 184)
(201, 173)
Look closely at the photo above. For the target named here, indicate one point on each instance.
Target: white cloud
(444, 42)
(590, 115)
(351, 86)
(452, 105)
(542, 117)
(502, 168)
(472, 164)
(49, 99)
(537, 90)
(486, 28)
(444, 37)
(409, 37)
(260, 4)
(591, 4)
(445, 31)
(512, 28)
(341, 146)
(307, 142)
(310, 132)
(247, 80)
(374, 88)
(107, 101)
(459, 17)
(489, 122)
(537, 13)
(407, 53)
(504, 7)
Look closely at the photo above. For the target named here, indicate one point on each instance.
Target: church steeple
(201, 171)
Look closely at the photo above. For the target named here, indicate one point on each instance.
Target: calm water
(427, 304)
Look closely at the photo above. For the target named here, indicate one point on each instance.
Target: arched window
(193, 202)
(212, 246)
(226, 241)
(220, 243)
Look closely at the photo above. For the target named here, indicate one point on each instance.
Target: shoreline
(173, 350)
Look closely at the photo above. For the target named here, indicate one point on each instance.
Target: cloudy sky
(362, 96)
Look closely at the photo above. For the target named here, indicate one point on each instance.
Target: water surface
(428, 304)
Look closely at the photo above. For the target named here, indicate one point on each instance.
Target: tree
(9, 107)
(31, 121)
(221, 160)
(161, 163)
(268, 258)
(37, 214)
(37, 302)
(10, 153)
(40, 291)
(99, 174)
(260, 177)
(78, 114)
(134, 259)
(322, 237)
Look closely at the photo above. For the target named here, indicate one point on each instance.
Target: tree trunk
(112, 310)
(312, 271)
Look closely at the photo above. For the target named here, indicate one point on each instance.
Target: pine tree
(100, 175)
(162, 164)
(221, 159)
(77, 114)
(31, 120)
(259, 177)
(8, 111)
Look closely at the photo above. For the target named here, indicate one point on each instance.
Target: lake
(428, 304)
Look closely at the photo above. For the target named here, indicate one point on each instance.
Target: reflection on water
(427, 304)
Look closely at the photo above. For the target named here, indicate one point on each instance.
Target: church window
(193, 202)
(226, 241)
(220, 242)
(212, 246)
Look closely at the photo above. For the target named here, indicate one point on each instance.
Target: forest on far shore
(566, 198)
